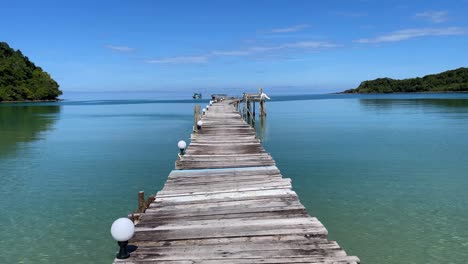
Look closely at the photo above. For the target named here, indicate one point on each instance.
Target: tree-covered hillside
(449, 81)
(21, 80)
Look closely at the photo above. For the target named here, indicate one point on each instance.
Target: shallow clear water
(386, 174)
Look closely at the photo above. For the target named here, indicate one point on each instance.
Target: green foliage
(21, 80)
(449, 81)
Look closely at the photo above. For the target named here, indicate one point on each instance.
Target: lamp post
(182, 145)
(199, 124)
(207, 107)
(203, 111)
(122, 230)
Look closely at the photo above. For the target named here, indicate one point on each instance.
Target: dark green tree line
(21, 80)
(449, 81)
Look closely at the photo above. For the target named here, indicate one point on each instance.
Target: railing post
(196, 117)
(244, 106)
(141, 202)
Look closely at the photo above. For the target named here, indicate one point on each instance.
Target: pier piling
(141, 202)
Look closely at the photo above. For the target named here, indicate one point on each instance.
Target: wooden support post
(253, 113)
(250, 116)
(196, 117)
(141, 202)
(245, 106)
(262, 103)
(262, 107)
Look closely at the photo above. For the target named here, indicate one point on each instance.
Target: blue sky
(310, 46)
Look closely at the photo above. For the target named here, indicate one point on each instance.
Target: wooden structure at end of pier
(246, 105)
(227, 203)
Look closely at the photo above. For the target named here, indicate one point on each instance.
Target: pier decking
(227, 202)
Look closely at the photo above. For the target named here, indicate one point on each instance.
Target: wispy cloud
(301, 45)
(119, 48)
(262, 49)
(406, 34)
(294, 28)
(434, 16)
(179, 60)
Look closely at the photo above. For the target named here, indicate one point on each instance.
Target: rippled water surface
(387, 174)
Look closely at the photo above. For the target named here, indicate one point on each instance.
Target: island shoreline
(427, 92)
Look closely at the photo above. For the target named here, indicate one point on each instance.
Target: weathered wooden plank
(181, 181)
(221, 164)
(222, 186)
(246, 246)
(241, 231)
(195, 187)
(277, 260)
(241, 200)
(226, 195)
(159, 218)
(224, 149)
(226, 171)
(227, 211)
(225, 157)
(280, 241)
(232, 205)
(206, 227)
(228, 253)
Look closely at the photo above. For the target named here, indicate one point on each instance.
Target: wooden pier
(227, 202)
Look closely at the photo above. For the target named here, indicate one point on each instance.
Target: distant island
(22, 80)
(448, 81)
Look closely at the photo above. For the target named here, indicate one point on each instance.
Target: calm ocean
(386, 174)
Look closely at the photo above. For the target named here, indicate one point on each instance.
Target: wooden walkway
(227, 202)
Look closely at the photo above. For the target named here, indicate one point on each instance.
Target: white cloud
(294, 28)
(413, 33)
(302, 45)
(119, 48)
(434, 16)
(179, 60)
(292, 45)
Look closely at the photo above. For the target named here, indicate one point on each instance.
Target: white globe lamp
(182, 145)
(122, 230)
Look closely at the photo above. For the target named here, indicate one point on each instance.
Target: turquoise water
(386, 174)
